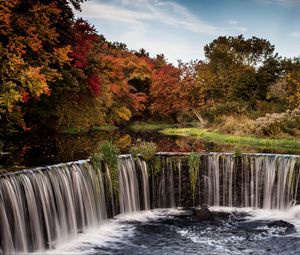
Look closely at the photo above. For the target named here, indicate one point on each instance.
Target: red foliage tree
(85, 39)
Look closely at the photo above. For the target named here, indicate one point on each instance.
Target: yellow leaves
(293, 79)
(136, 68)
(29, 83)
(14, 65)
(29, 51)
(9, 96)
(124, 141)
(61, 55)
(35, 82)
(123, 113)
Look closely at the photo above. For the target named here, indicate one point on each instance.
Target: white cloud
(142, 11)
(294, 34)
(159, 26)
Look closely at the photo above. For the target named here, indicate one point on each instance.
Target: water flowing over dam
(42, 207)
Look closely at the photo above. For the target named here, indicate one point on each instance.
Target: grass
(76, 131)
(212, 136)
(151, 126)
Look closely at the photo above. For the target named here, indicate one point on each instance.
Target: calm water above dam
(25, 152)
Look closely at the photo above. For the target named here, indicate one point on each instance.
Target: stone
(282, 224)
(204, 214)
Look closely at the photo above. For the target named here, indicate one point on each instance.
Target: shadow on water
(19, 153)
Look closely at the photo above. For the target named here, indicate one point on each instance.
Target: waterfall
(43, 207)
(128, 183)
(254, 180)
(266, 181)
(145, 183)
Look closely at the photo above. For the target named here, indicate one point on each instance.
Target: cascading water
(40, 208)
(255, 180)
(43, 207)
(131, 200)
(46, 206)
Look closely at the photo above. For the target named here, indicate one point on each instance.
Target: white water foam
(291, 215)
(113, 232)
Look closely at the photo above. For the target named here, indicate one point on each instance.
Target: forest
(58, 73)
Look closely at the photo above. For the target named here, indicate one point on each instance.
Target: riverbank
(290, 144)
(220, 138)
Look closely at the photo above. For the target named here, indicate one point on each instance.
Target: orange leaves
(5, 15)
(24, 95)
(138, 101)
(165, 90)
(29, 51)
(115, 88)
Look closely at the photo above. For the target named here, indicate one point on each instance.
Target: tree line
(57, 72)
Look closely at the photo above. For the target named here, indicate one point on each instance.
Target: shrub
(109, 153)
(215, 110)
(237, 125)
(279, 124)
(194, 166)
(146, 149)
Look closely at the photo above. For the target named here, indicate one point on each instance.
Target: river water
(176, 231)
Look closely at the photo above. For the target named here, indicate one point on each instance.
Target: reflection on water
(45, 150)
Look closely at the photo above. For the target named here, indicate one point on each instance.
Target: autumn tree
(32, 52)
(165, 90)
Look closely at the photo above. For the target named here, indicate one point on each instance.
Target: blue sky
(180, 29)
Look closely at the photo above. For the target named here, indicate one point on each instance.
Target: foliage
(276, 124)
(155, 165)
(109, 153)
(237, 152)
(31, 52)
(237, 125)
(146, 149)
(58, 73)
(194, 167)
(238, 50)
(165, 90)
(240, 72)
(215, 110)
(80, 115)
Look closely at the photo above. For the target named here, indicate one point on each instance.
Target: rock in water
(282, 224)
(204, 214)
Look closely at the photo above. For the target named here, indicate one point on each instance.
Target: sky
(181, 28)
